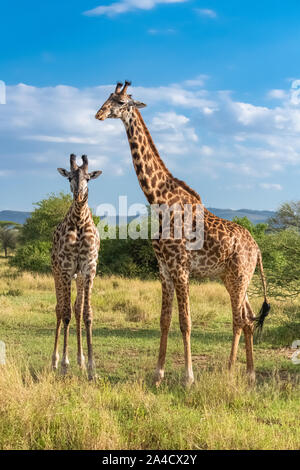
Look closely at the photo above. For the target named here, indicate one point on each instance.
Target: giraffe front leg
(88, 321)
(66, 317)
(78, 308)
(59, 300)
(165, 321)
(55, 355)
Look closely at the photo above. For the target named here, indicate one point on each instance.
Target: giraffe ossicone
(75, 251)
(228, 250)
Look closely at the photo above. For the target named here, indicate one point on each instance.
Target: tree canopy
(45, 218)
(8, 238)
(287, 216)
(256, 230)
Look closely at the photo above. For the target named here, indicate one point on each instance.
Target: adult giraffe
(228, 250)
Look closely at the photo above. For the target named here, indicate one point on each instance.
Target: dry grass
(122, 410)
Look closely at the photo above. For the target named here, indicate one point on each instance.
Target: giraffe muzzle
(100, 116)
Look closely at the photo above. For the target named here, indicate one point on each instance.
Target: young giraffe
(75, 250)
(228, 251)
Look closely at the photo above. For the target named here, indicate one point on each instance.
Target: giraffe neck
(79, 212)
(156, 181)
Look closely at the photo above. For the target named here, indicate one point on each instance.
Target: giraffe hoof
(158, 377)
(251, 377)
(157, 383)
(92, 377)
(55, 359)
(81, 362)
(64, 369)
(189, 381)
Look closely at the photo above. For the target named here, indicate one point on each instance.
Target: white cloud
(177, 95)
(206, 12)
(206, 150)
(248, 114)
(169, 120)
(198, 81)
(5, 173)
(272, 186)
(174, 135)
(124, 6)
(277, 94)
(200, 132)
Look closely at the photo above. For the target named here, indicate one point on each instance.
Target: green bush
(33, 256)
(45, 218)
(128, 258)
(281, 258)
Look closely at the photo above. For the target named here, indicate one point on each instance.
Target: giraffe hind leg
(242, 321)
(248, 333)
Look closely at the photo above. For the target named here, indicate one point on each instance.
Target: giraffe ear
(94, 174)
(137, 104)
(64, 172)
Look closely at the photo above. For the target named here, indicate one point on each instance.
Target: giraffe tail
(265, 309)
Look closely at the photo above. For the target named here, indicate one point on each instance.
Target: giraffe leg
(237, 304)
(88, 320)
(55, 355)
(78, 308)
(242, 320)
(165, 321)
(66, 317)
(182, 293)
(248, 333)
(237, 330)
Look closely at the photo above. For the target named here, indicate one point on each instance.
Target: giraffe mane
(187, 188)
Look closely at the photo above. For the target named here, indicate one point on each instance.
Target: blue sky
(219, 79)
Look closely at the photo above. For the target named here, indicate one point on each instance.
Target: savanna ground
(39, 409)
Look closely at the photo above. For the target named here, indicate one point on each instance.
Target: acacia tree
(8, 238)
(287, 216)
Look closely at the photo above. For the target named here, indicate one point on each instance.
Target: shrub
(33, 256)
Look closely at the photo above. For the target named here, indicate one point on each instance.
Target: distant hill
(14, 216)
(118, 220)
(253, 215)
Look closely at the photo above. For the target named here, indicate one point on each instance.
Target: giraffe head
(118, 104)
(79, 177)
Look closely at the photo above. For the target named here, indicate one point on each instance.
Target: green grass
(40, 409)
